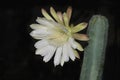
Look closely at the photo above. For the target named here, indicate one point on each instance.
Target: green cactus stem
(94, 54)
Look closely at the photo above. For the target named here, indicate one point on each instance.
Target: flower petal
(44, 22)
(40, 44)
(40, 33)
(46, 15)
(57, 57)
(69, 12)
(65, 53)
(72, 43)
(76, 54)
(81, 37)
(51, 52)
(36, 26)
(60, 16)
(66, 20)
(42, 51)
(79, 47)
(71, 53)
(62, 61)
(79, 27)
(54, 14)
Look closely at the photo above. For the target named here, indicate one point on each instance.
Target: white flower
(57, 37)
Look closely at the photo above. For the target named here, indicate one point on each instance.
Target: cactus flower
(56, 36)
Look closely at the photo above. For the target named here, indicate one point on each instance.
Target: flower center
(59, 37)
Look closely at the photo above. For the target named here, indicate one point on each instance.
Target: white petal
(43, 30)
(44, 22)
(62, 62)
(36, 26)
(49, 24)
(40, 44)
(43, 51)
(72, 43)
(57, 57)
(39, 33)
(71, 53)
(65, 54)
(51, 52)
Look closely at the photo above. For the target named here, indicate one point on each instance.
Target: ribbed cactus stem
(94, 54)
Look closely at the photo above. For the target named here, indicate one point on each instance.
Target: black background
(17, 58)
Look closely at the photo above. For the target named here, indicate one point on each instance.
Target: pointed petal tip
(36, 52)
(79, 46)
(69, 12)
(45, 60)
(46, 15)
(54, 14)
(43, 10)
(51, 8)
(81, 49)
(60, 16)
(35, 26)
(38, 17)
(62, 64)
(55, 64)
(31, 26)
(66, 19)
(31, 33)
(69, 8)
(87, 38)
(76, 54)
(79, 27)
(73, 59)
(78, 57)
(84, 24)
(81, 37)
